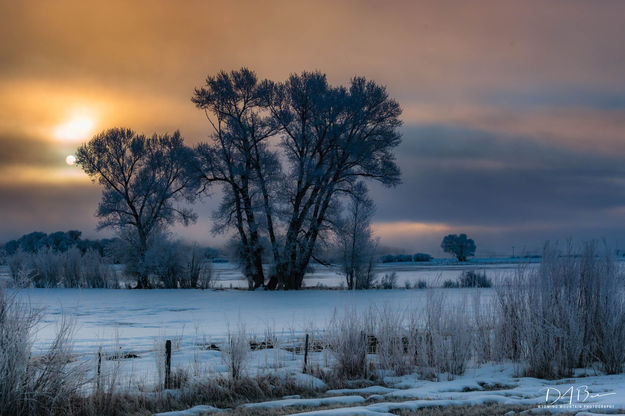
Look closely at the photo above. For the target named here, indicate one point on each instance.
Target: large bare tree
(237, 157)
(143, 180)
(327, 139)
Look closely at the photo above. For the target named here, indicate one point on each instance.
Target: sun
(70, 160)
(76, 129)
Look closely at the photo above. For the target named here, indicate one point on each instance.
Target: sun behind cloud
(78, 128)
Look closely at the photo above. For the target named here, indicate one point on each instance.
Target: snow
(410, 393)
(133, 318)
(350, 411)
(306, 402)
(434, 273)
(365, 390)
(137, 323)
(194, 411)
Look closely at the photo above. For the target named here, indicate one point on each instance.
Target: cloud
(47, 207)
(514, 111)
(461, 176)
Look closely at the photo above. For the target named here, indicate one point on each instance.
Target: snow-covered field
(136, 324)
(226, 276)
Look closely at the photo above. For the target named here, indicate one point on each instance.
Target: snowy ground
(583, 395)
(487, 384)
(433, 273)
(134, 325)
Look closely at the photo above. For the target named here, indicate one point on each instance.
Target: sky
(514, 112)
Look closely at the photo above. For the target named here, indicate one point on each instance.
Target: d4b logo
(580, 394)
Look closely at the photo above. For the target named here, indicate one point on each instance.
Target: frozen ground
(134, 318)
(134, 325)
(585, 394)
(433, 273)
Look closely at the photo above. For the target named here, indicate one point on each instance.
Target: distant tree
(355, 241)
(74, 234)
(33, 242)
(143, 180)
(458, 245)
(419, 257)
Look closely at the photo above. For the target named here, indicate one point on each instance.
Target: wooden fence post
(167, 363)
(99, 368)
(306, 354)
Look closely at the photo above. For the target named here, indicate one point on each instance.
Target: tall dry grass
(568, 313)
(33, 383)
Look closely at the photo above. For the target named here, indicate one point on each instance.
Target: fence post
(306, 354)
(99, 368)
(167, 363)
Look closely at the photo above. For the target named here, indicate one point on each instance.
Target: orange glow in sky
(514, 112)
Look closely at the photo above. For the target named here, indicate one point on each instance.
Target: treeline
(63, 259)
(60, 241)
(400, 258)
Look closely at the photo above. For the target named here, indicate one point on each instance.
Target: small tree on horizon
(458, 245)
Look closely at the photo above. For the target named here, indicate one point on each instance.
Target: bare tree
(330, 137)
(143, 179)
(355, 241)
(237, 157)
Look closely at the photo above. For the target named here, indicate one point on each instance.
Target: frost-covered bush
(391, 341)
(388, 281)
(235, 351)
(50, 268)
(471, 278)
(444, 342)
(171, 264)
(348, 343)
(569, 313)
(165, 261)
(32, 384)
(450, 284)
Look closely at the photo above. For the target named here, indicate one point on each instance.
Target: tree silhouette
(288, 152)
(458, 245)
(143, 178)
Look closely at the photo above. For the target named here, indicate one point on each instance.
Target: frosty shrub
(569, 313)
(450, 284)
(391, 341)
(388, 281)
(234, 353)
(471, 278)
(444, 344)
(511, 310)
(165, 261)
(173, 265)
(348, 343)
(50, 268)
(95, 272)
(29, 383)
